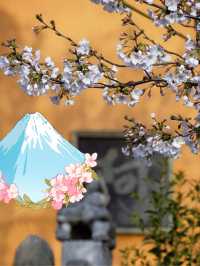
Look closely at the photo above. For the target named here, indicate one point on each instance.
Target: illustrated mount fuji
(32, 152)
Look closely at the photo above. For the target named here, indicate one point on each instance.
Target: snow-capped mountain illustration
(32, 152)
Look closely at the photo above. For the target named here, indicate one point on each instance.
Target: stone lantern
(86, 229)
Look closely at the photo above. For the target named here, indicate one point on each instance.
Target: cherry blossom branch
(52, 27)
(132, 84)
(128, 20)
(179, 34)
(136, 10)
(86, 68)
(143, 142)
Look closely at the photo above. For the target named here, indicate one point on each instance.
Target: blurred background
(78, 19)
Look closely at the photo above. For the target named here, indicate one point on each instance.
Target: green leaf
(94, 175)
(26, 199)
(47, 182)
(28, 203)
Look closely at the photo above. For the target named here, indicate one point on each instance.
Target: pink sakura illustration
(90, 160)
(69, 187)
(64, 188)
(66, 169)
(7, 192)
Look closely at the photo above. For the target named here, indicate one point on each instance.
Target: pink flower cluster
(7, 192)
(69, 187)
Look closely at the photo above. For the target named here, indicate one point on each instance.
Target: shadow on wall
(9, 98)
(13, 101)
(8, 30)
(7, 22)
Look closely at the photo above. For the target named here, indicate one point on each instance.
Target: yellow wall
(78, 18)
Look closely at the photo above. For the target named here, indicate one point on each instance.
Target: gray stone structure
(33, 251)
(86, 229)
(125, 177)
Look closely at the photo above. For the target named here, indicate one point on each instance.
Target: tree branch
(179, 34)
(53, 28)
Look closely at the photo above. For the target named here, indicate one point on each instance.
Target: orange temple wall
(78, 19)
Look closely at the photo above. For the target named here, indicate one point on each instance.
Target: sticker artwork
(39, 168)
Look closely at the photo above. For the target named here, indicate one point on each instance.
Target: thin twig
(151, 40)
(94, 53)
(146, 16)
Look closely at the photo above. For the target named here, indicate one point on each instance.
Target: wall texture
(77, 18)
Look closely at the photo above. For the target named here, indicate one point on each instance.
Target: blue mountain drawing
(32, 152)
